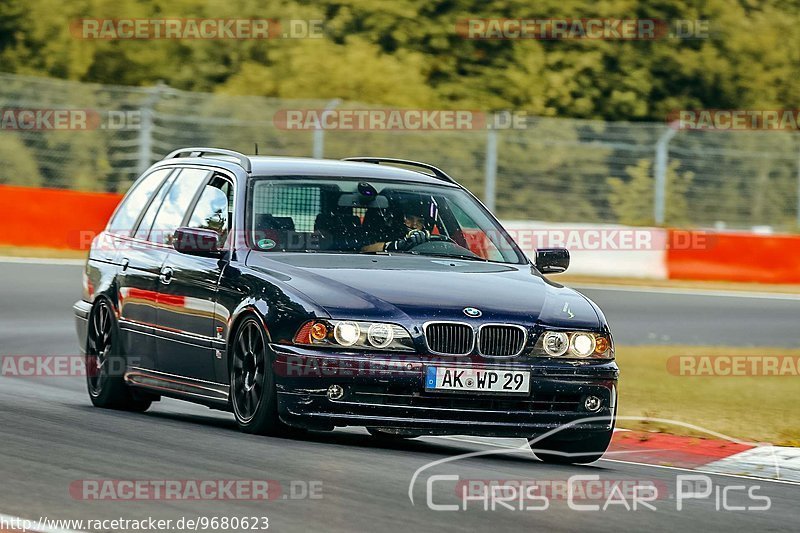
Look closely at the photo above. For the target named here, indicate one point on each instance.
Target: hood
(416, 289)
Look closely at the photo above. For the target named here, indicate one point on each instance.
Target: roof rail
(437, 172)
(240, 158)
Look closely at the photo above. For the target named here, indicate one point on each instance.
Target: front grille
(450, 338)
(501, 341)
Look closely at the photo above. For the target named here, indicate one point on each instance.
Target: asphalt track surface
(52, 437)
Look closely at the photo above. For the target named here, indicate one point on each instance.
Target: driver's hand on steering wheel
(414, 238)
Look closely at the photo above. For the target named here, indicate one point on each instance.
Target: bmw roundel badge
(472, 312)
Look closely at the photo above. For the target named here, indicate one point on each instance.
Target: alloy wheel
(99, 350)
(249, 366)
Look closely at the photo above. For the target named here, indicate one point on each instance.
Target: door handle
(166, 275)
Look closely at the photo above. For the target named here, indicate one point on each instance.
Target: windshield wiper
(455, 256)
(420, 254)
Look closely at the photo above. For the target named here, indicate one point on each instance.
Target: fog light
(335, 392)
(593, 404)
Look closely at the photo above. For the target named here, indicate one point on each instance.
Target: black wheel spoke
(253, 397)
(250, 342)
(248, 403)
(102, 314)
(96, 322)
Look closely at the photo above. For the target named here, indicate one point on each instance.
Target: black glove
(414, 238)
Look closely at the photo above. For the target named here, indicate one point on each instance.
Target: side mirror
(552, 260)
(197, 241)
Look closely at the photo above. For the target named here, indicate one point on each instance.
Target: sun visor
(359, 200)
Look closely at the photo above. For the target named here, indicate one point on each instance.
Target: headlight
(582, 344)
(346, 333)
(380, 335)
(354, 335)
(555, 343)
(577, 344)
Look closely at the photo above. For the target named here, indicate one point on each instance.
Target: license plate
(439, 378)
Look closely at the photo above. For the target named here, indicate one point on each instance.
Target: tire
(105, 363)
(254, 398)
(387, 436)
(572, 452)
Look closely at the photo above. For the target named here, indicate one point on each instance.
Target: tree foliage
(408, 53)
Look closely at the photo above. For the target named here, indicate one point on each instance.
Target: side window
(214, 208)
(146, 223)
(128, 212)
(175, 204)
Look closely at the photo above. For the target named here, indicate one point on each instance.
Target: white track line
(743, 476)
(708, 472)
(42, 261)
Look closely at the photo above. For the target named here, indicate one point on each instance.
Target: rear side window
(135, 201)
(295, 205)
(176, 203)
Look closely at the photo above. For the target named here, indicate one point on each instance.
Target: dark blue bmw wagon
(311, 294)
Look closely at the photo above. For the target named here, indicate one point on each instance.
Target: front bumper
(82, 310)
(388, 392)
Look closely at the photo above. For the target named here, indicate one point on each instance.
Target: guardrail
(66, 219)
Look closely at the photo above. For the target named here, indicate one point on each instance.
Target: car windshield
(350, 215)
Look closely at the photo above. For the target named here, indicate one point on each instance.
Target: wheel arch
(248, 310)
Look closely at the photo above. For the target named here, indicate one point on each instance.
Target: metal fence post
(318, 148)
(490, 170)
(660, 173)
(145, 141)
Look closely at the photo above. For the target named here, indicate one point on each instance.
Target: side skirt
(207, 393)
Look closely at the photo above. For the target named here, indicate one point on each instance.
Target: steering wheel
(441, 244)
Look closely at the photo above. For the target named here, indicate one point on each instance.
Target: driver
(411, 232)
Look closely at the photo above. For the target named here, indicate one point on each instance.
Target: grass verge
(754, 408)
